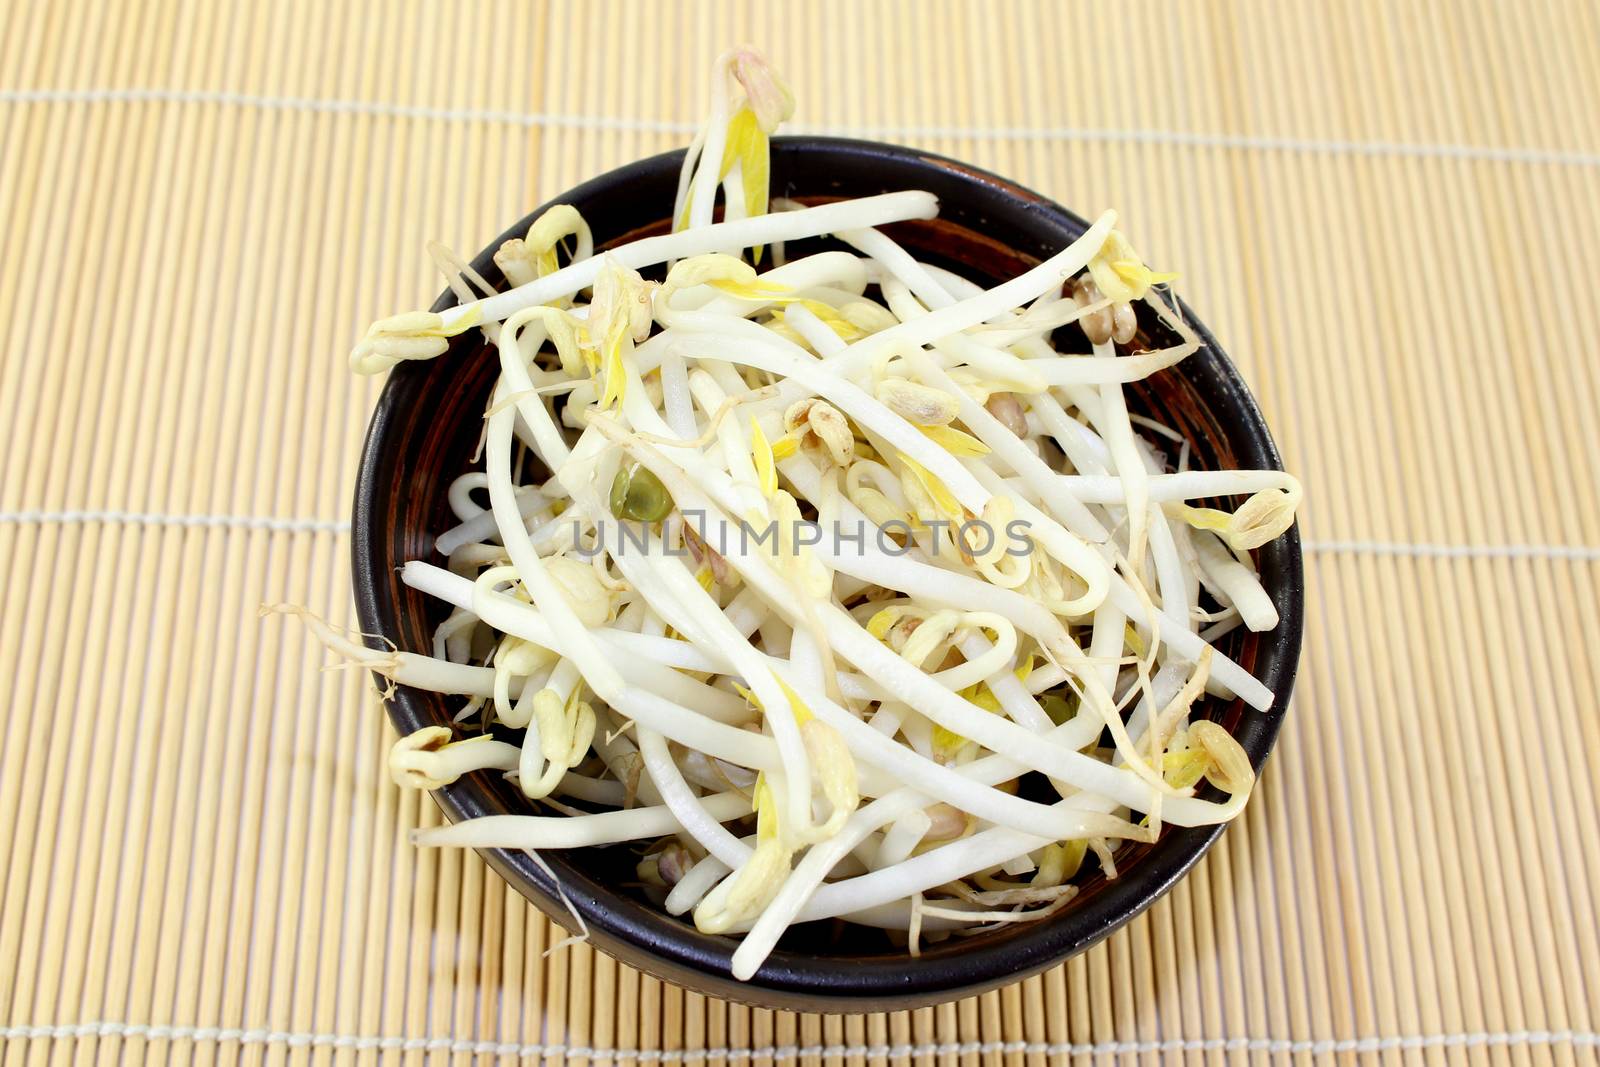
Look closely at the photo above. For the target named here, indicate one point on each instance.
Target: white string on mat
(300, 1039)
(150, 518)
(1421, 549)
(1391, 149)
(1443, 551)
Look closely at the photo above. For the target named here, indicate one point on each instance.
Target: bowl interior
(424, 433)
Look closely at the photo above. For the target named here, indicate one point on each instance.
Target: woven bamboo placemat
(1389, 212)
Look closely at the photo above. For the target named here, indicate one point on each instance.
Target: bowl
(423, 434)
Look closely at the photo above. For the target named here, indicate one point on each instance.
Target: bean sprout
(836, 587)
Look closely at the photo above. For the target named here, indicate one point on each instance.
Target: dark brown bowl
(423, 434)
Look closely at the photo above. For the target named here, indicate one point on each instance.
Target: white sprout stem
(945, 588)
(1062, 371)
(1082, 446)
(716, 237)
(1184, 642)
(640, 657)
(800, 899)
(573, 831)
(404, 668)
(982, 660)
(691, 157)
(1172, 576)
(940, 586)
(1236, 582)
(898, 262)
(675, 396)
(981, 306)
(912, 287)
(515, 380)
(987, 304)
(459, 495)
(1125, 458)
(695, 884)
(903, 836)
(988, 848)
(703, 185)
(818, 334)
(1172, 488)
(473, 530)
(594, 790)
(690, 810)
(866, 743)
(1106, 638)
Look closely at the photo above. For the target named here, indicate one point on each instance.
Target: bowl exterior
(415, 444)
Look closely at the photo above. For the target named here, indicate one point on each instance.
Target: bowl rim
(667, 947)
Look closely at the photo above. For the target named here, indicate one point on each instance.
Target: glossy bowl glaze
(423, 434)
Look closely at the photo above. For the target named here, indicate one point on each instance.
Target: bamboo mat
(1389, 212)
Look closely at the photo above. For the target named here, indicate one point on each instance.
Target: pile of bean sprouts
(962, 660)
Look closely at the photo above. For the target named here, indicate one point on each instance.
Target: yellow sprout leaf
(619, 315)
(983, 697)
(1182, 768)
(1260, 519)
(830, 317)
(756, 290)
(725, 273)
(1227, 764)
(766, 809)
(1120, 272)
(949, 742)
(413, 335)
(1057, 863)
(943, 500)
(743, 133)
(747, 146)
(1025, 668)
(1140, 277)
(946, 742)
(470, 316)
(615, 377)
(785, 446)
(878, 625)
(955, 441)
(766, 468)
(802, 714)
